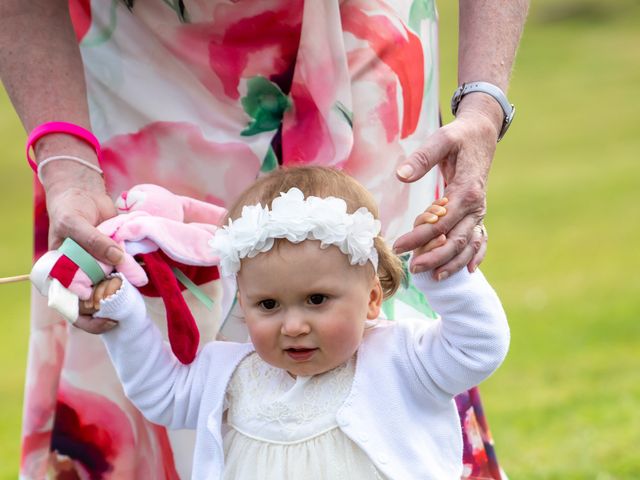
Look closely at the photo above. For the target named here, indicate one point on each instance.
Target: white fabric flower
(329, 220)
(359, 242)
(297, 219)
(250, 231)
(289, 216)
(223, 246)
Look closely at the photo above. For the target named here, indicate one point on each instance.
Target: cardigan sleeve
(470, 339)
(163, 389)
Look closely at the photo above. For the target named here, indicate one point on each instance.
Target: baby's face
(306, 307)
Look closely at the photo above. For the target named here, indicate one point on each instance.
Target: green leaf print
(270, 161)
(265, 104)
(99, 34)
(176, 5)
(419, 11)
(348, 115)
(409, 295)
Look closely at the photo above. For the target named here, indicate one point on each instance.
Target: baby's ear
(197, 211)
(375, 300)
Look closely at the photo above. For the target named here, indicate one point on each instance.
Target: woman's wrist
(482, 106)
(63, 174)
(53, 144)
(65, 159)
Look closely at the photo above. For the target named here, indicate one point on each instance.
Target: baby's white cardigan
(400, 410)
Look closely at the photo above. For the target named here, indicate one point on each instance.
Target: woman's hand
(464, 150)
(77, 201)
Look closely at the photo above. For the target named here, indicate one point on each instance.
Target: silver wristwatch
(490, 89)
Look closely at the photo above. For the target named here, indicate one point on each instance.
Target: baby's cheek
(262, 336)
(346, 338)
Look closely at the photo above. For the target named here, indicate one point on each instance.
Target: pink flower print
(262, 43)
(306, 137)
(244, 40)
(80, 13)
(178, 157)
(376, 151)
(400, 49)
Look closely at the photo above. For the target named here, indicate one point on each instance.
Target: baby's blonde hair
(324, 182)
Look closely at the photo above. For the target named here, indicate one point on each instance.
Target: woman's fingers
(94, 325)
(464, 150)
(482, 249)
(429, 226)
(433, 244)
(436, 148)
(74, 213)
(458, 250)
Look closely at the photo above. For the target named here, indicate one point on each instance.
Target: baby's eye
(317, 299)
(268, 304)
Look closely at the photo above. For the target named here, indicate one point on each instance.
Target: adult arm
(41, 69)
(489, 33)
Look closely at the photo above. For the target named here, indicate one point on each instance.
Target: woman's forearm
(490, 32)
(41, 69)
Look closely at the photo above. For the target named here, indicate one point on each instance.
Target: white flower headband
(296, 219)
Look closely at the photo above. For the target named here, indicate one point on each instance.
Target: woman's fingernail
(111, 323)
(114, 255)
(431, 218)
(442, 276)
(405, 171)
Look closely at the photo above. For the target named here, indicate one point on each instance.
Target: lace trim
(266, 399)
(281, 442)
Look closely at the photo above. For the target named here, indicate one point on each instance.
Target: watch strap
(490, 89)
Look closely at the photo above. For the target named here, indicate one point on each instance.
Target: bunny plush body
(162, 235)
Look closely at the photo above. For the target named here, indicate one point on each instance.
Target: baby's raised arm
(471, 338)
(164, 390)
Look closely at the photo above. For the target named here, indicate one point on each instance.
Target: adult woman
(200, 97)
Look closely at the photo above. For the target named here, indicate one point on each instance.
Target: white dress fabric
(280, 424)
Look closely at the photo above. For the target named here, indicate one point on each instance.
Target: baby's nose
(295, 325)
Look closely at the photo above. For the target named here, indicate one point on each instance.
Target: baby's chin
(311, 370)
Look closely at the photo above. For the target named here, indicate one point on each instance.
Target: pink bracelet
(61, 127)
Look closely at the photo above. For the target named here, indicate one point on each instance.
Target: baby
(325, 388)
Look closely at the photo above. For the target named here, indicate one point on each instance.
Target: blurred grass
(564, 222)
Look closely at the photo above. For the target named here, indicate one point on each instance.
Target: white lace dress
(282, 427)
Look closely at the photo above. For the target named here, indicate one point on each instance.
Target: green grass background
(564, 221)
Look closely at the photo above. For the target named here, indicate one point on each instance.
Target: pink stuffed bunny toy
(165, 231)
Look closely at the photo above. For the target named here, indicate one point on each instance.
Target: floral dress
(203, 96)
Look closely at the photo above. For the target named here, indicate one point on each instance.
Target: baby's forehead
(308, 255)
(284, 251)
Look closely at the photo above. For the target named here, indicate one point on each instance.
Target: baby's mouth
(300, 354)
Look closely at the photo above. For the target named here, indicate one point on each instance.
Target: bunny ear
(186, 243)
(197, 211)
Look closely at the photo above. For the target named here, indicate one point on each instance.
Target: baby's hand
(431, 215)
(102, 291)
